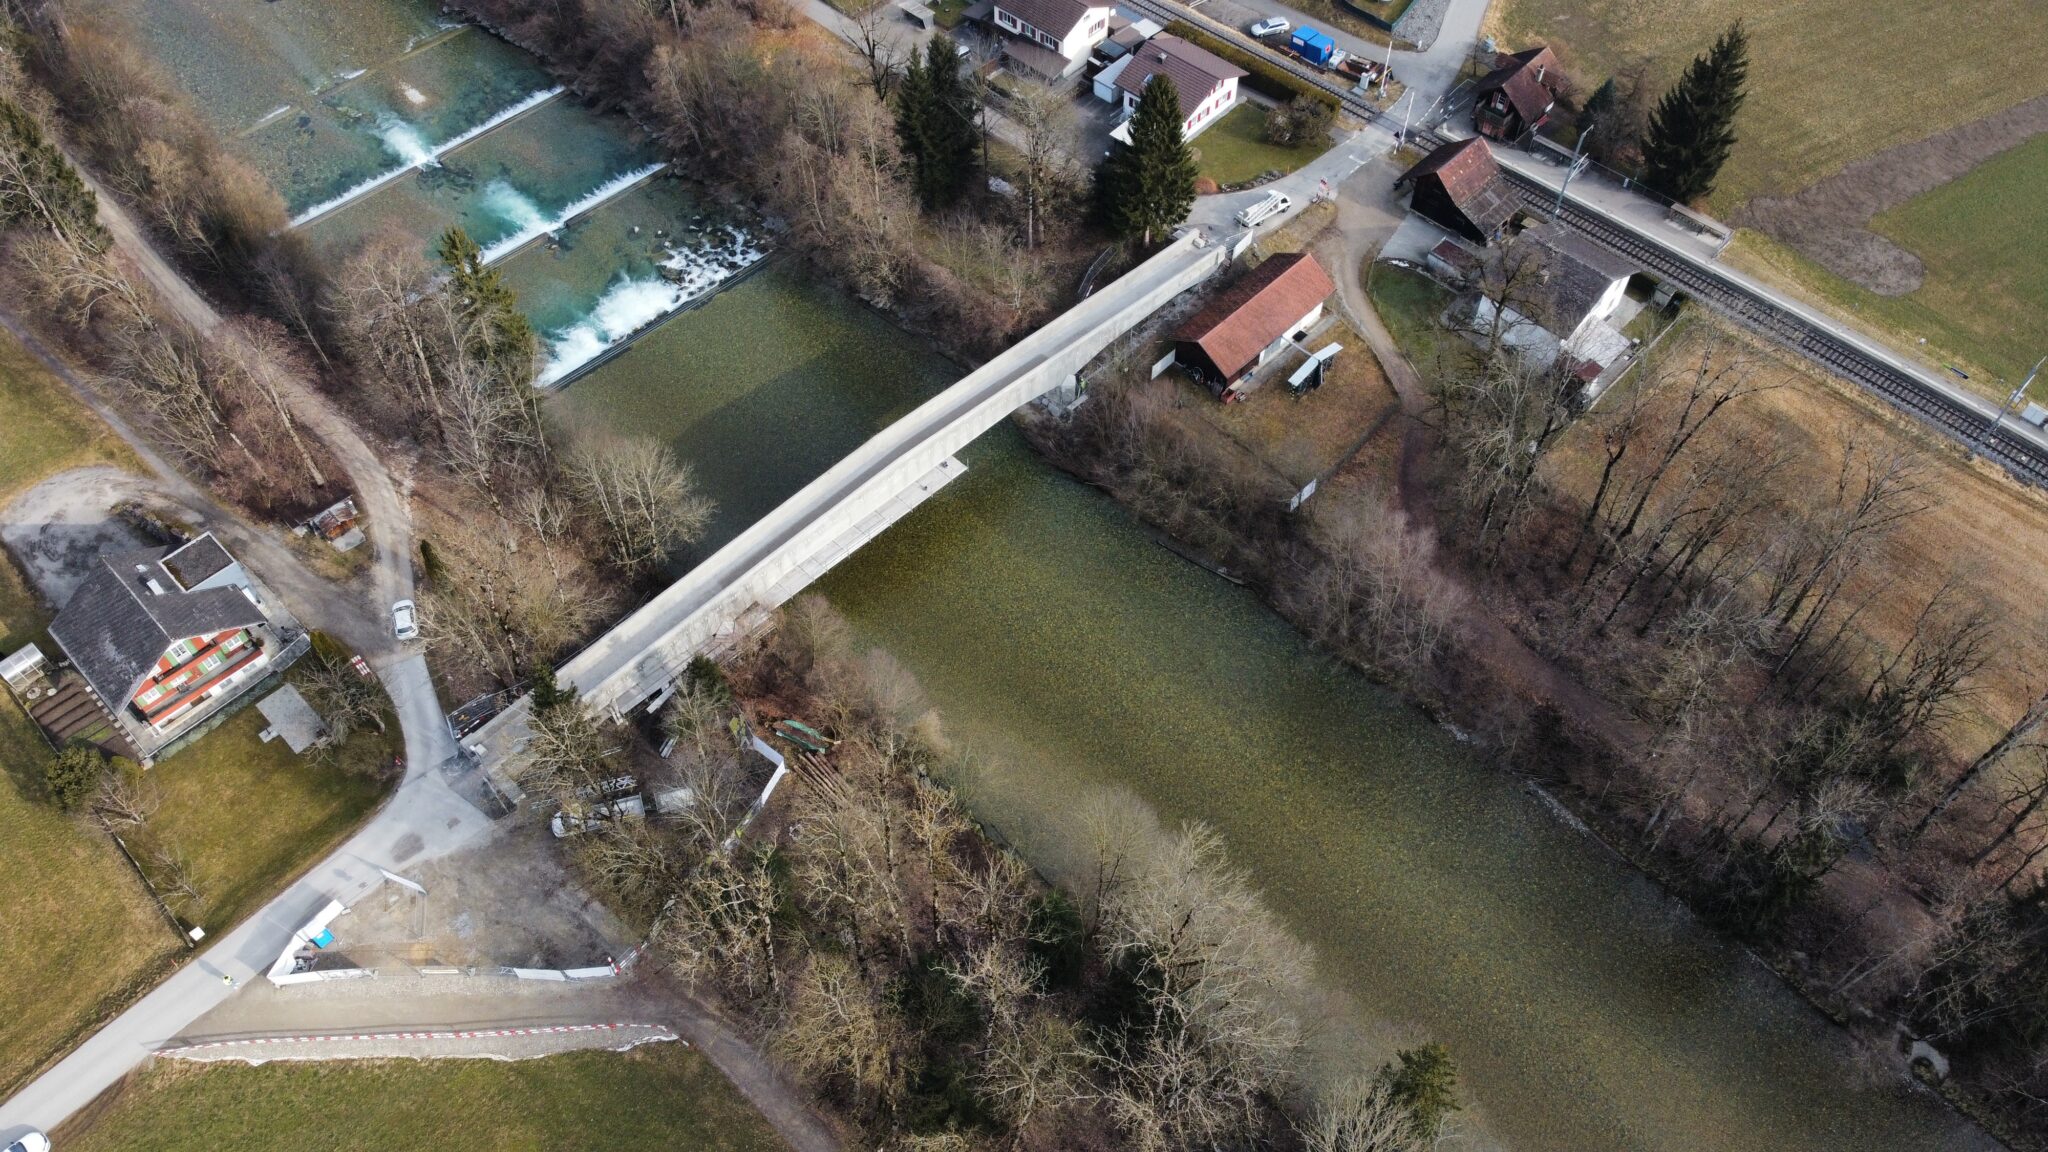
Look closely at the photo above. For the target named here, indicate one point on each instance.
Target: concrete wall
(651, 647)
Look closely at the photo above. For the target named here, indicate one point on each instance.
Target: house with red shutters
(165, 636)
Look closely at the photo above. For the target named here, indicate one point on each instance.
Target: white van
(578, 819)
(1256, 214)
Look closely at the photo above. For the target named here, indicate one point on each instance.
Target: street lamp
(1570, 171)
(2012, 401)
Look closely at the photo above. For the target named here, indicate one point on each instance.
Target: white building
(1067, 29)
(1205, 82)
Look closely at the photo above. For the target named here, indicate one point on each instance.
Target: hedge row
(1266, 76)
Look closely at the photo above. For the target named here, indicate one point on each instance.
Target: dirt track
(1829, 222)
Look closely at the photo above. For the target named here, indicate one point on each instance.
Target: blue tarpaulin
(1313, 46)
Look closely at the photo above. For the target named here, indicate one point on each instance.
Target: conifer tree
(1147, 188)
(1693, 127)
(502, 336)
(38, 186)
(937, 120)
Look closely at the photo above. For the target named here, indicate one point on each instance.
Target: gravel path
(1422, 21)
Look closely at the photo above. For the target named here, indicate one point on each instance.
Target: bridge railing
(649, 648)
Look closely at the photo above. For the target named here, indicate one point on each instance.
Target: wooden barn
(1459, 188)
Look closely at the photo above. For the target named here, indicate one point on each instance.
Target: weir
(396, 138)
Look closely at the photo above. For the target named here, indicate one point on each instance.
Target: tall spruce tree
(938, 122)
(38, 186)
(502, 336)
(1693, 127)
(1147, 188)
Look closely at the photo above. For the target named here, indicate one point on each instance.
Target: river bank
(1069, 653)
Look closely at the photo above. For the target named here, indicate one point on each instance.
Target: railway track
(2018, 454)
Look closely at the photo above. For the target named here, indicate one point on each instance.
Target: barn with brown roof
(1517, 96)
(1252, 319)
(1459, 187)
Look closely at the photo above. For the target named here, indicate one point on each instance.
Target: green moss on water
(1588, 1011)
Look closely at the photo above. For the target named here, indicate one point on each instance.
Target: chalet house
(163, 636)
(1051, 37)
(1247, 323)
(1517, 96)
(1560, 307)
(1205, 82)
(1459, 188)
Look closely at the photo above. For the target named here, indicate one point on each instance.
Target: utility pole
(1570, 171)
(2011, 402)
(1403, 137)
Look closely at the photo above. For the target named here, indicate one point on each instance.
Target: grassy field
(1410, 304)
(1981, 237)
(1234, 149)
(78, 932)
(1987, 529)
(247, 815)
(657, 1097)
(1830, 80)
(43, 428)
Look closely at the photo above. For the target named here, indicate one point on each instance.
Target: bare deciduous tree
(646, 504)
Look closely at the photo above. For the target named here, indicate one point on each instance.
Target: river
(1067, 650)
(1588, 1010)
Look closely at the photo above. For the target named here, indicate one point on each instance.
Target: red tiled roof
(1238, 324)
(1196, 71)
(1464, 167)
(1531, 78)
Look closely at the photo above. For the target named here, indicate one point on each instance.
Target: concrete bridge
(873, 487)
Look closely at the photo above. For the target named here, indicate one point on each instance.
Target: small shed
(918, 14)
(292, 719)
(1459, 187)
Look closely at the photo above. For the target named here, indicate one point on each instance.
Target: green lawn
(1410, 304)
(247, 816)
(79, 935)
(656, 1098)
(1234, 149)
(1982, 237)
(77, 931)
(43, 428)
(1828, 79)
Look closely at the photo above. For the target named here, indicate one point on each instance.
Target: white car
(1271, 26)
(32, 1142)
(1274, 204)
(405, 620)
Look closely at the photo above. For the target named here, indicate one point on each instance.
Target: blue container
(325, 938)
(1312, 46)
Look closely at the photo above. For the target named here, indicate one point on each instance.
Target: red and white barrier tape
(477, 1034)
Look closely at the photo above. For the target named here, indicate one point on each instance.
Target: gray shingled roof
(1577, 273)
(115, 629)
